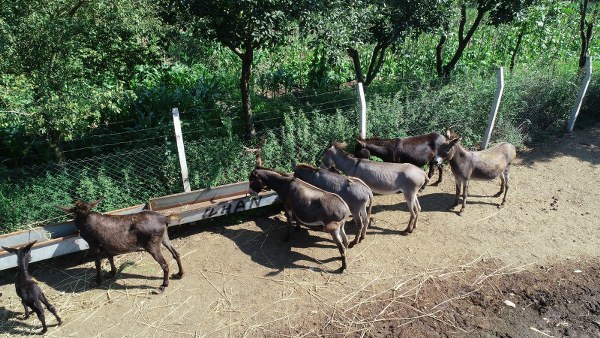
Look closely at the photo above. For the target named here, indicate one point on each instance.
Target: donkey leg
(440, 174)
(113, 268)
(358, 220)
(337, 238)
(343, 234)
(502, 184)
(366, 222)
(417, 212)
(289, 216)
(457, 184)
(26, 315)
(154, 250)
(411, 208)
(97, 261)
(167, 243)
(465, 194)
(505, 181)
(50, 308)
(39, 311)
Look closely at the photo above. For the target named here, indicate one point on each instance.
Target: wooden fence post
(581, 94)
(181, 150)
(495, 106)
(363, 111)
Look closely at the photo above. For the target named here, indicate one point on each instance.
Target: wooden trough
(63, 238)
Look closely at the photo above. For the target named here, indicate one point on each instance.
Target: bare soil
(530, 269)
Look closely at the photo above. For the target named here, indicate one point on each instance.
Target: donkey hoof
(341, 270)
(461, 213)
(178, 275)
(500, 206)
(160, 290)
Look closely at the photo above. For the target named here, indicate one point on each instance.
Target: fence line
(215, 156)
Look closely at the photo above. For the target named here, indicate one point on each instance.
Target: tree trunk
(376, 62)
(513, 57)
(54, 140)
(585, 32)
(463, 40)
(247, 58)
(353, 53)
(439, 52)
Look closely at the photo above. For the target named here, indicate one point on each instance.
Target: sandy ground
(243, 280)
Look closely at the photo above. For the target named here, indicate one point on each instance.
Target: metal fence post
(181, 150)
(363, 111)
(581, 94)
(495, 106)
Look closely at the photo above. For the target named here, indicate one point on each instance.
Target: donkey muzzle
(438, 160)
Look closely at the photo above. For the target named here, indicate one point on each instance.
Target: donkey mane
(305, 166)
(273, 170)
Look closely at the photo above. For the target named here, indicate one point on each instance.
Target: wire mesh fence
(128, 170)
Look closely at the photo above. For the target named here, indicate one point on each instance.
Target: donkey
(118, 234)
(306, 204)
(383, 178)
(28, 289)
(477, 165)
(352, 190)
(417, 150)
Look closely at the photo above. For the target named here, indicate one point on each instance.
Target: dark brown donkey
(417, 150)
(112, 235)
(306, 204)
(477, 165)
(28, 290)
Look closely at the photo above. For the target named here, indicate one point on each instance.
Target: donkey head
(23, 253)
(80, 208)
(256, 184)
(327, 161)
(446, 151)
(361, 151)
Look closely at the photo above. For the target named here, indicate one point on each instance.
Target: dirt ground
(530, 269)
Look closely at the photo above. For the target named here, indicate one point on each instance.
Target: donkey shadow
(269, 248)
(80, 279)
(14, 323)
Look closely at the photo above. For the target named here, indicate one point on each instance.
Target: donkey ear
(65, 209)
(28, 247)
(96, 202)
(448, 133)
(11, 250)
(455, 141)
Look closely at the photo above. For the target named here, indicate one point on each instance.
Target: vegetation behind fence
(536, 105)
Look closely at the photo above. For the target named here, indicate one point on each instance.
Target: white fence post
(363, 111)
(581, 94)
(495, 106)
(181, 150)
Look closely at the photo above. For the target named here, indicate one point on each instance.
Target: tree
(586, 27)
(347, 26)
(243, 26)
(65, 62)
(499, 11)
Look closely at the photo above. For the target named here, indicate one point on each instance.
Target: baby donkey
(27, 289)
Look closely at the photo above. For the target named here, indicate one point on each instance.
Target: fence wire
(295, 131)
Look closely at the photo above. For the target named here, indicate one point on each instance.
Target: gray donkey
(477, 165)
(352, 190)
(382, 177)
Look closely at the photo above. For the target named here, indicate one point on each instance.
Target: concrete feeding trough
(63, 238)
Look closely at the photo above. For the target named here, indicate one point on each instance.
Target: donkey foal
(28, 290)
